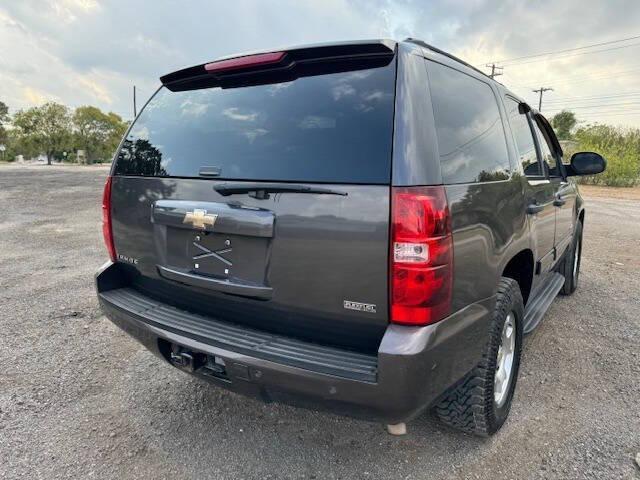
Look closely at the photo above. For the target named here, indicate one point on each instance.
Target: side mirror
(586, 163)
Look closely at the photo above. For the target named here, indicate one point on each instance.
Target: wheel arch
(521, 268)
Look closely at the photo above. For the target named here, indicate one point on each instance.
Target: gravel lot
(79, 398)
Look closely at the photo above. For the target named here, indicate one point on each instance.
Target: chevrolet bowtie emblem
(200, 218)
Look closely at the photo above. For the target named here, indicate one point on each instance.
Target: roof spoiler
(281, 65)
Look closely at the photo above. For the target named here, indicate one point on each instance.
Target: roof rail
(446, 54)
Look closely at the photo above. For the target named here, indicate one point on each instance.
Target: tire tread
(468, 406)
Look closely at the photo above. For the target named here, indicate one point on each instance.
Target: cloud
(278, 87)
(342, 90)
(374, 96)
(193, 109)
(67, 11)
(94, 51)
(234, 114)
(140, 132)
(36, 96)
(255, 133)
(94, 88)
(314, 121)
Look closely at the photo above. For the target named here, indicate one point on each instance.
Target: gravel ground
(79, 398)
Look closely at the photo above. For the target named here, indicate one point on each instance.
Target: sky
(92, 52)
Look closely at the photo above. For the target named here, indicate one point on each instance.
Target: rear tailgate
(265, 205)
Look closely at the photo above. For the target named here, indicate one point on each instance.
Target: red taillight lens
(248, 61)
(107, 231)
(421, 255)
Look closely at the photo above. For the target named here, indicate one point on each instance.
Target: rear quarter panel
(489, 228)
(489, 221)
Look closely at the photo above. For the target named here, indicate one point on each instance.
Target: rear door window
(469, 128)
(548, 160)
(333, 128)
(523, 137)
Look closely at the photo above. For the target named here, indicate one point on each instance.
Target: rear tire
(480, 403)
(570, 266)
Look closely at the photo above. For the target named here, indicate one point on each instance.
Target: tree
(4, 117)
(46, 128)
(4, 113)
(563, 122)
(142, 158)
(96, 132)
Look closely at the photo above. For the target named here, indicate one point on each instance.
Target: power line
(582, 76)
(595, 107)
(609, 114)
(572, 55)
(599, 77)
(602, 105)
(624, 111)
(593, 97)
(566, 50)
(632, 101)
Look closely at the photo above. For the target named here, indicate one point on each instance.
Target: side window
(548, 161)
(524, 139)
(470, 135)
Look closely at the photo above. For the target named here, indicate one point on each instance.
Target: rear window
(470, 135)
(334, 128)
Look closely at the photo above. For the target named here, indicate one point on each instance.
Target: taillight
(421, 255)
(107, 231)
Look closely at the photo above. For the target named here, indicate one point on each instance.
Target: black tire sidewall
(577, 250)
(469, 405)
(571, 282)
(505, 304)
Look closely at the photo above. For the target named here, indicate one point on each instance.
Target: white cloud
(373, 96)
(234, 114)
(193, 109)
(67, 11)
(94, 88)
(314, 121)
(342, 90)
(255, 133)
(87, 52)
(278, 87)
(140, 132)
(37, 97)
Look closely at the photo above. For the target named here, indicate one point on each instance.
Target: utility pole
(135, 110)
(495, 70)
(541, 90)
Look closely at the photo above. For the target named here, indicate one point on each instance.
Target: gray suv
(367, 227)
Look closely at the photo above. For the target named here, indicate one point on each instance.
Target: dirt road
(79, 398)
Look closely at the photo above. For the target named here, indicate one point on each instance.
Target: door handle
(559, 201)
(534, 208)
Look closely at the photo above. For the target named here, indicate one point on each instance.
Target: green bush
(619, 146)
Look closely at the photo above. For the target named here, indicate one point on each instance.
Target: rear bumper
(413, 366)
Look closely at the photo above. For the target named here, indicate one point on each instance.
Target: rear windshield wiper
(261, 191)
